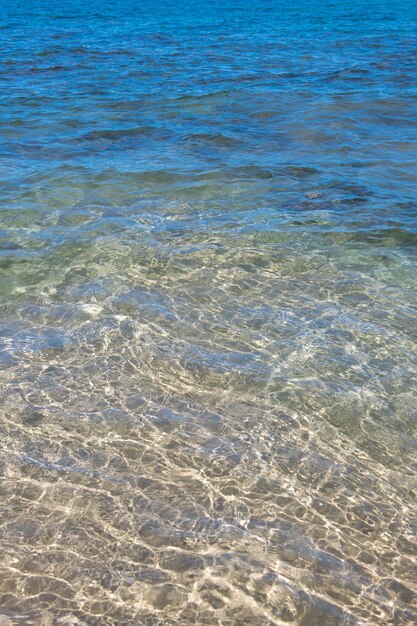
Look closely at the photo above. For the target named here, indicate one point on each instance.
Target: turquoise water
(208, 228)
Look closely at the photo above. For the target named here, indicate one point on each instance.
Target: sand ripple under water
(208, 230)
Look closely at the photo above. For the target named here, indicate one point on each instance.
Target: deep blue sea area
(208, 313)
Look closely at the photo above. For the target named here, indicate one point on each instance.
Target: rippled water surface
(208, 229)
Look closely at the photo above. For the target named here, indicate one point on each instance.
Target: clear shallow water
(208, 261)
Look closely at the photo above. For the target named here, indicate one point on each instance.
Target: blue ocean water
(208, 228)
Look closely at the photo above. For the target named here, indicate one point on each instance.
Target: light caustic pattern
(208, 324)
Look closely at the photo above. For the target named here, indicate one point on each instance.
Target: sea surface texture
(208, 229)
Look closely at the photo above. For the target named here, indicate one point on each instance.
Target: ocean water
(208, 228)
